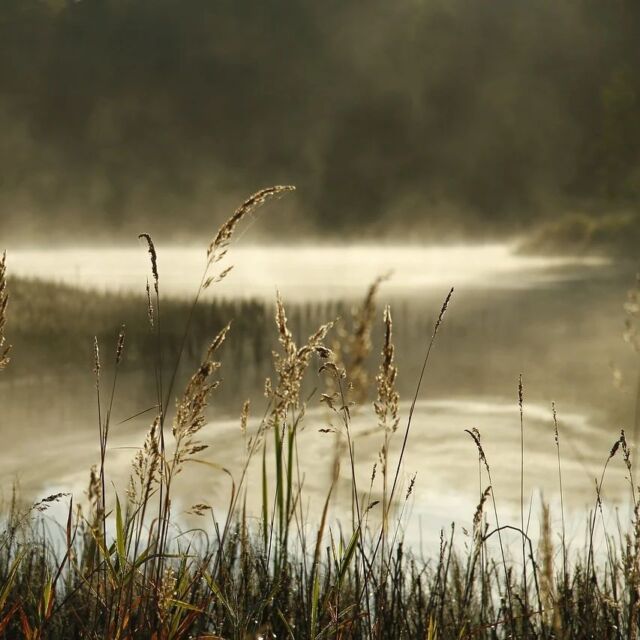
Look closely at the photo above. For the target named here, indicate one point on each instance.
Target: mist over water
(306, 272)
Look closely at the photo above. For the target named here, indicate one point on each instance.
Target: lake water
(557, 320)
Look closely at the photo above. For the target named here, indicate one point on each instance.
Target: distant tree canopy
(470, 115)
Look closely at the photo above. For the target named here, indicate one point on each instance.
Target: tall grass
(119, 567)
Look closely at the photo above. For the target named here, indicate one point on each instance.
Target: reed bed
(118, 566)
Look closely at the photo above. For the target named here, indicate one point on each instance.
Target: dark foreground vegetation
(119, 568)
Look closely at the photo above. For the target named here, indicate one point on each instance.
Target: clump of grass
(116, 569)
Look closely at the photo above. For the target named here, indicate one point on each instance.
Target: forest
(452, 119)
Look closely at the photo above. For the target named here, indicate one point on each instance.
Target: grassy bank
(119, 567)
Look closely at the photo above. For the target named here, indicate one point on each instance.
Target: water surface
(556, 320)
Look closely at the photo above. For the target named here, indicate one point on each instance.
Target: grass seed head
(120, 345)
(387, 401)
(520, 393)
(352, 344)
(244, 417)
(477, 516)
(412, 483)
(615, 447)
(475, 435)
(154, 259)
(190, 408)
(150, 311)
(96, 357)
(291, 364)
(45, 503)
(4, 301)
(219, 244)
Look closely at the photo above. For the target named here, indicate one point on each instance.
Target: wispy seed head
(244, 416)
(154, 259)
(96, 357)
(520, 392)
(120, 345)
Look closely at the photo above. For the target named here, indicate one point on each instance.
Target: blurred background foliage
(473, 119)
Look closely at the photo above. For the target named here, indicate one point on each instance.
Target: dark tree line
(466, 115)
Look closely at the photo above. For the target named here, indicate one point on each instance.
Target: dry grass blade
(425, 362)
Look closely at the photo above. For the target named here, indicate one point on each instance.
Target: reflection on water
(300, 273)
(558, 321)
(440, 452)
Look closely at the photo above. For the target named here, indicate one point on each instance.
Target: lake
(558, 321)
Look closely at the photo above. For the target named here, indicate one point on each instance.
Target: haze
(446, 119)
